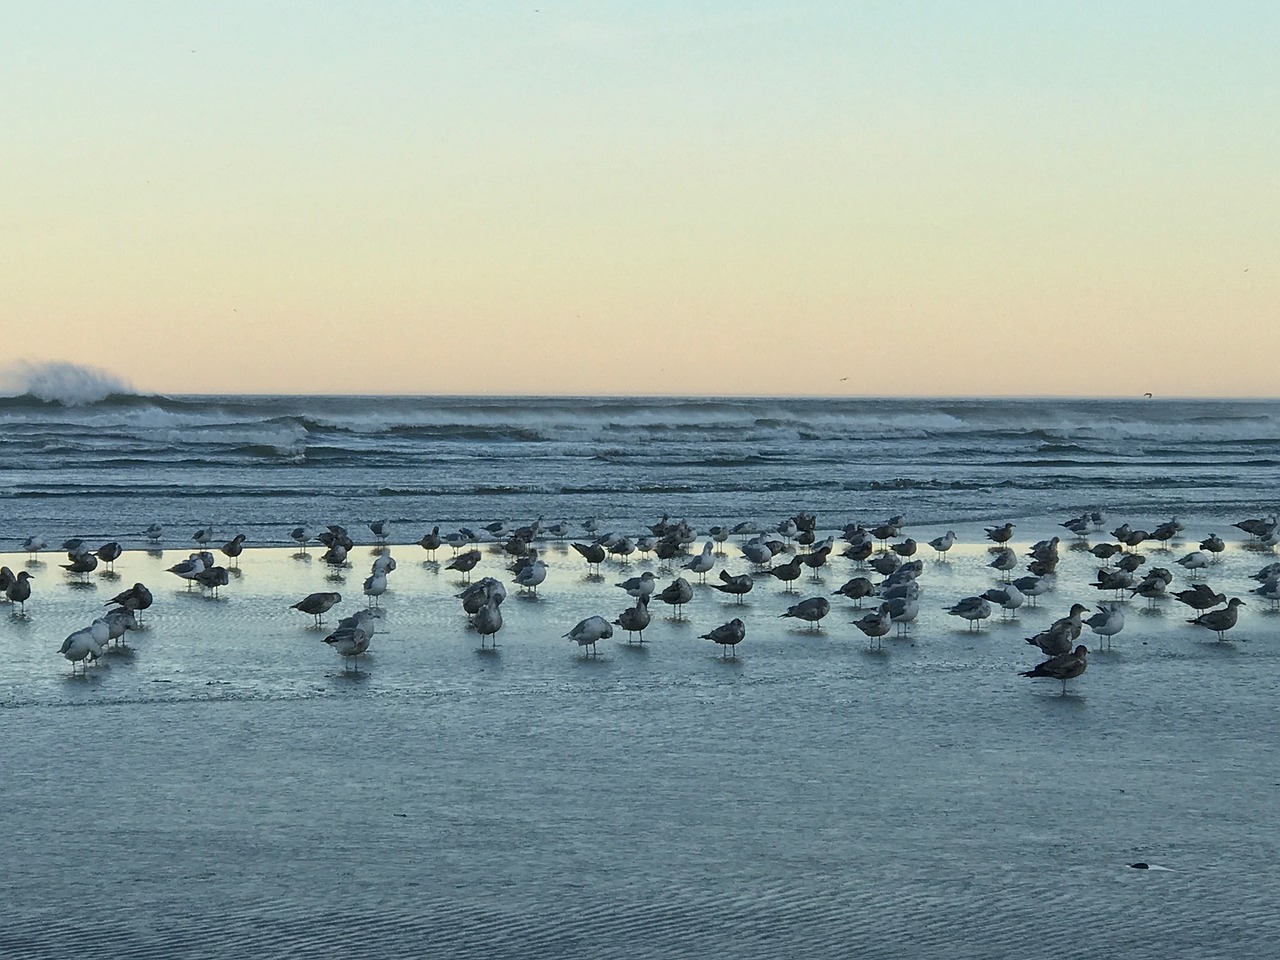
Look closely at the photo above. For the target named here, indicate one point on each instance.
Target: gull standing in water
(1056, 640)
(638, 586)
(1065, 667)
(972, 609)
(136, 599)
(1220, 621)
(702, 564)
(351, 638)
(728, 635)
(317, 605)
(488, 620)
(944, 543)
(735, 585)
(532, 574)
(1007, 597)
(875, 625)
(635, 619)
(83, 645)
(431, 541)
(234, 547)
(82, 563)
(1107, 622)
(588, 632)
(812, 610)
(375, 585)
(676, 594)
(19, 591)
(109, 553)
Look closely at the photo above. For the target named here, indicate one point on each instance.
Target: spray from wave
(68, 384)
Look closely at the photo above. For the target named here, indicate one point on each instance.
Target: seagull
(481, 592)
(593, 553)
(136, 599)
(83, 645)
(1065, 667)
(351, 640)
(703, 562)
(1269, 591)
(1004, 561)
(375, 585)
(875, 625)
(638, 586)
(812, 610)
(1107, 622)
(1220, 621)
(384, 562)
(589, 631)
(234, 547)
(317, 605)
(81, 563)
(154, 532)
(1193, 561)
(532, 574)
(728, 635)
(118, 621)
(972, 609)
(757, 552)
(944, 543)
(211, 578)
(1056, 639)
(1000, 534)
(677, 594)
(1032, 587)
(1105, 551)
(464, 562)
(109, 553)
(301, 536)
(1007, 597)
(735, 585)
(33, 545)
(203, 535)
(1214, 544)
(19, 591)
(1258, 528)
(488, 620)
(787, 572)
(635, 619)
(430, 542)
(903, 611)
(336, 555)
(380, 529)
(856, 589)
(1200, 597)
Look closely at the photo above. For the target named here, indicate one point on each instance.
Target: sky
(867, 198)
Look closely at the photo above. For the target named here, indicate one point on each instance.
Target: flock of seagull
(874, 550)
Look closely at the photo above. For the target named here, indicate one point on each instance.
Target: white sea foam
(69, 384)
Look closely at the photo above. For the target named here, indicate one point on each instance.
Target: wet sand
(224, 786)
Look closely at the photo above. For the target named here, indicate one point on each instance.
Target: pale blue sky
(659, 197)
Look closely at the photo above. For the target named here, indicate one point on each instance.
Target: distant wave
(66, 384)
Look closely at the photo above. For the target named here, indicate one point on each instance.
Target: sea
(224, 785)
(78, 461)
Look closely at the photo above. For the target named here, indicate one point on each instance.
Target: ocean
(224, 785)
(77, 463)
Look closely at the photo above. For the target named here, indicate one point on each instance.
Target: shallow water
(225, 787)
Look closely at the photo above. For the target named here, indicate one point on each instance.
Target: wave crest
(66, 384)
